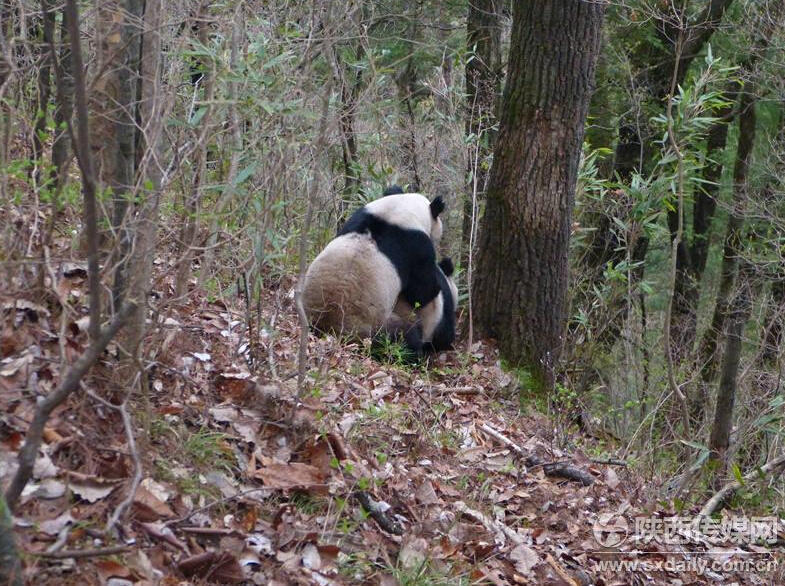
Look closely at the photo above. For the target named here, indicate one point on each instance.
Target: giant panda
(385, 250)
(430, 328)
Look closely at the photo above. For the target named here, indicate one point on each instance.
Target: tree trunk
(731, 247)
(632, 152)
(691, 262)
(692, 259)
(521, 281)
(125, 130)
(61, 147)
(152, 120)
(202, 77)
(351, 83)
(44, 85)
(104, 95)
(775, 320)
(483, 81)
(10, 565)
(406, 80)
(726, 393)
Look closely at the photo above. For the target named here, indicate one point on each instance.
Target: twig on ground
(558, 469)
(213, 504)
(137, 478)
(82, 553)
(609, 461)
(502, 531)
(373, 508)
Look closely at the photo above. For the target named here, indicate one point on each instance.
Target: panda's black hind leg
(398, 341)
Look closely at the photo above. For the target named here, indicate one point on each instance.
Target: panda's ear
(437, 207)
(446, 266)
(392, 190)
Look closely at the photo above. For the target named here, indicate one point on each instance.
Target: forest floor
(379, 474)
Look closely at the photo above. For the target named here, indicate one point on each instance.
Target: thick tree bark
(521, 282)
(730, 252)
(483, 82)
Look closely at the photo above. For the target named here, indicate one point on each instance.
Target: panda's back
(350, 287)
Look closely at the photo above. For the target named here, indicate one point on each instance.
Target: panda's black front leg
(422, 285)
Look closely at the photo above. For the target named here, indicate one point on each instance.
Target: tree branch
(726, 491)
(83, 157)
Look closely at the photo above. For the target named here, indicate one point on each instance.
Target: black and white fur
(386, 250)
(430, 328)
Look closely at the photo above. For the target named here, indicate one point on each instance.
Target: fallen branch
(82, 553)
(460, 391)
(609, 462)
(726, 491)
(378, 514)
(558, 469)
(502, 531)
(47, 404)
(563, 574)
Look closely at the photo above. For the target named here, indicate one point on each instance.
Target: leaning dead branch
(721, 496)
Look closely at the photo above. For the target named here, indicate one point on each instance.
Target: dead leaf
(54, 526)
(11, 366)
(525, 558)
(48, 489)
(414, 552)
(44, 467)
(226, 414)
(294, 475)
(148, 507)
(213, 567)
(311, 558)
(111, 569)
(157, 489)
(611, 478)
(92, 491)
(426, 495)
